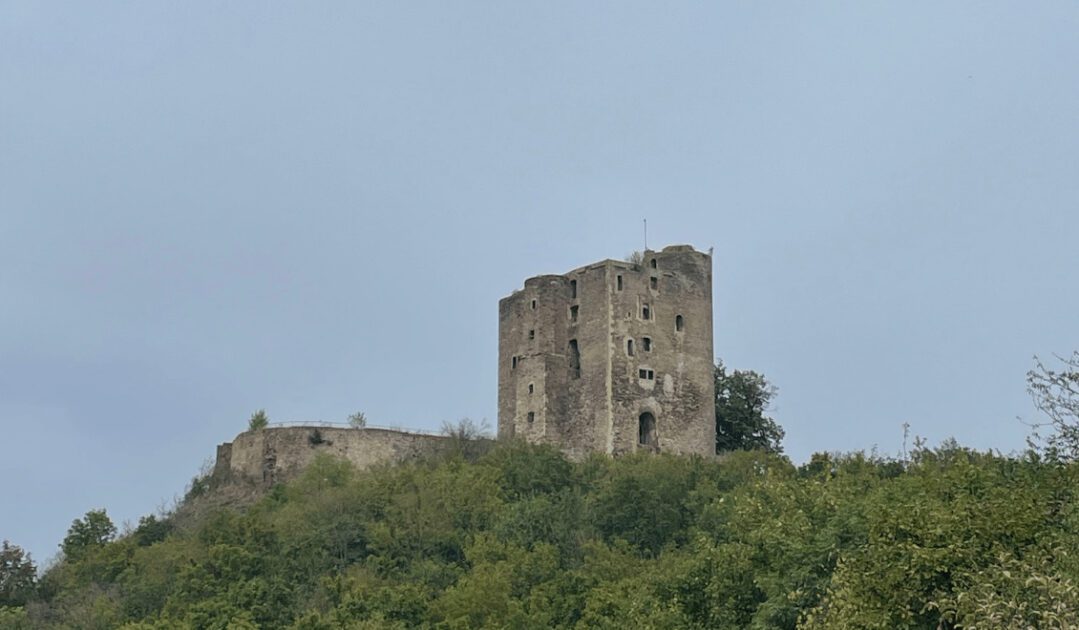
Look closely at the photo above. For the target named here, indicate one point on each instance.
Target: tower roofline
(611, 262)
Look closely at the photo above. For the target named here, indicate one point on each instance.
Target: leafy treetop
(742, 398)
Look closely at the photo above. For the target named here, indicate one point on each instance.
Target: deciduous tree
(742, 398)
(1056, 394)
(93, 530)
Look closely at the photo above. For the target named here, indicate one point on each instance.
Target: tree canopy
(1055, 391)
(93, 530)
(742, 398)
(17, 575)
(523, 538)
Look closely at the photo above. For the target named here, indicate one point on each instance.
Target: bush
(259, 420)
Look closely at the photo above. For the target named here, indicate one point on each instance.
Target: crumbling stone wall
(584, 356)
(278, 454)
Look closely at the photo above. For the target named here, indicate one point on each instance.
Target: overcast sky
(313, 208)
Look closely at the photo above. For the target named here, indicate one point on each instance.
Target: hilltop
(521, 537)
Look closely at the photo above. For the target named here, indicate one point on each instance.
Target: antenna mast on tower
(646, 234)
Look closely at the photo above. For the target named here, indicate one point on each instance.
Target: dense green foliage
(521, 538)
(86, 533)
(17, 575)
(258, 420)
(742, 398)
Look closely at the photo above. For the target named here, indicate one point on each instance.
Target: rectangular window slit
(574, 359)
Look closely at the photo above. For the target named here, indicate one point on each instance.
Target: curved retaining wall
(277, 454)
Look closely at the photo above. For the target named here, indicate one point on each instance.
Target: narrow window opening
(532, 333)
(573, 288)
(618, 283)
(533, 305)
(514, 365)
(646, 430)
(629, 347)
(653, 263)
(648, 375)
(679, 324)
(646, 313)
(531, 388)
(531, 417)
(654, 283)
(573, 313)
(646, 343)
(574, 359)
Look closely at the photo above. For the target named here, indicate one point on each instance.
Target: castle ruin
(613, 357)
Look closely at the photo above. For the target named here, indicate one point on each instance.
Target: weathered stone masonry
(278, 454)
(611, 357)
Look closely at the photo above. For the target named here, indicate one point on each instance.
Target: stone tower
(612, 357)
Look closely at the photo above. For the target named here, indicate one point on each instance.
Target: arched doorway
(646, 431)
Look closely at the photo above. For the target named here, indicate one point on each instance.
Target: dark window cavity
(654, 283)
(533, 305)
(573, 289)
(646, 312)
(532, 334)
(679, 323)
(629, 347)
(646, 343)
(574, 359)
(653, 263)
(646, 430)
(647, 375)
(531, 388)
(514, 365)
(618, 282)
(573, 313)
(531, 417)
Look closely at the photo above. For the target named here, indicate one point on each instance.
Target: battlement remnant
(276, 454)
(611, 357)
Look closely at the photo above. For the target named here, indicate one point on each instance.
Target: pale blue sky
(208, 208)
